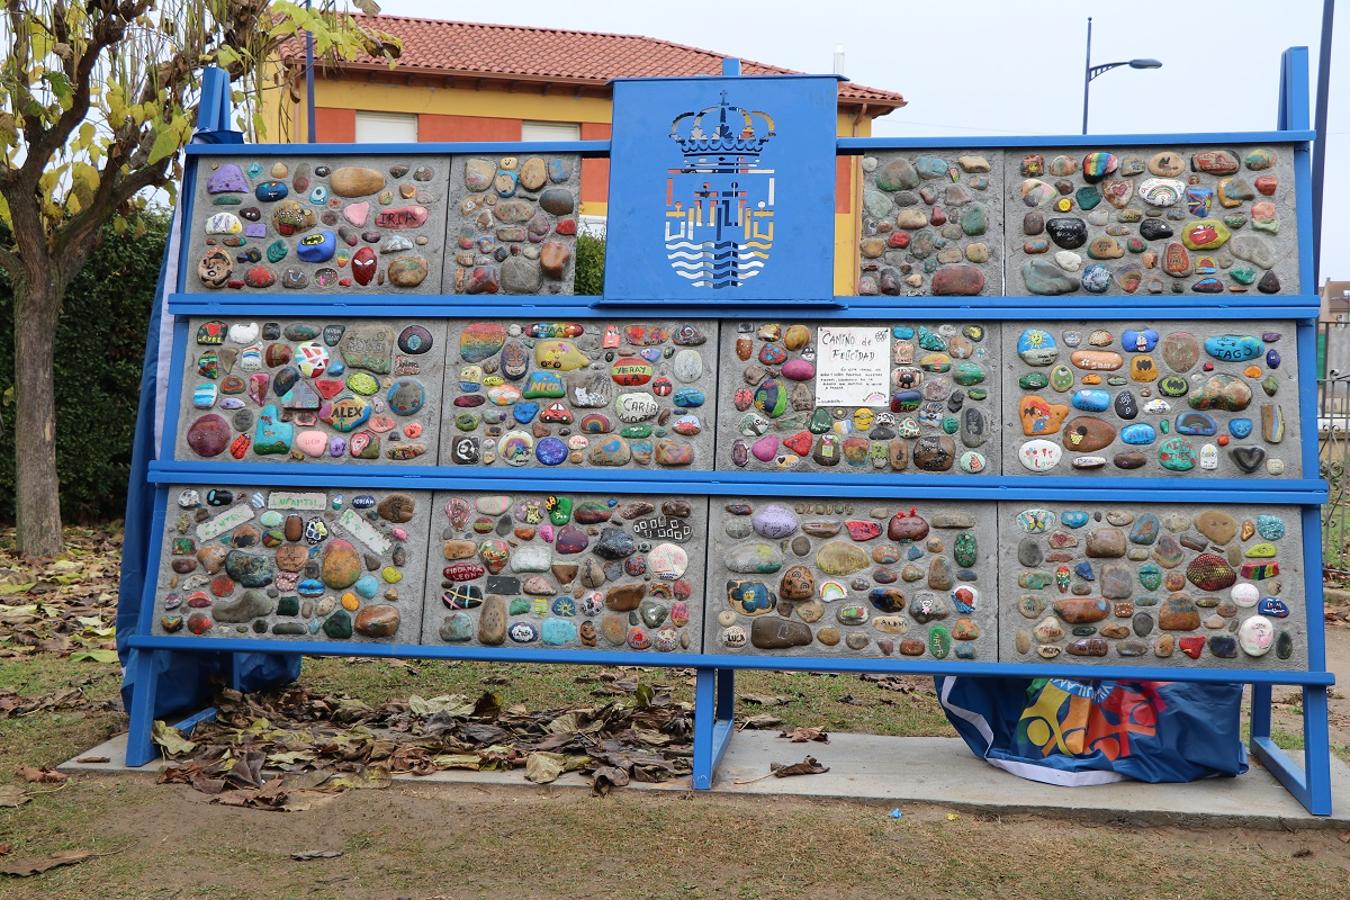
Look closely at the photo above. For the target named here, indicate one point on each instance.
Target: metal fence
(1333, 443)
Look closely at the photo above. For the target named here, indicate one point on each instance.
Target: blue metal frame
(715, 678)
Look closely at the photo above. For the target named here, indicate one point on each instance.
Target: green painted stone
(951, 425)
(1084, 630)
(466, 421)
(1061, 378)
(1034, 581)
(964, 551)
(277, 250)
(1235, 221)
(931, 340)
(1088, 197)
(1270, 385)
(1033, 381)
(821, 421)
(1117, 380)
(226, 200)
(519, 606)
(1176, 455)
(1150, 576)
(968, 373)
(974, 219)
(1173, 386)
(339, 625)
(939, 641)
(288, 605)
(977, 394)
(974, 332)
(362, 383)
(1243, 274)
(636, 431)
(560, 510)
(1163, 426)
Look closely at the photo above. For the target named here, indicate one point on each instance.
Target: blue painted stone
(1074, 518)
(336, 367)
(1270, 527)
(931, 166)
(525, 412)
(1142, 341)
(1273, 607)
(1197, 424)
(523, 632)
(544, 385)
(641, 448)
(931, 340)
(558, 170)
(551, 451)
(1091, 401)
(1239, 428)
(310, 587)
(750, 597)
(557, 632)
(651, 354)
(363, 501)
(915, 552)
(270, 191)
(406, 397)
(367, 586)
(1233, 347)
(317, 247)
(688, 398)
(1084, 571)
(965, 650)
(272, 436)
(1096, 278)
(1273, 359)
(318, 196)
(906, 401)
(902, 332)
(563, 606)
(1138, 433)
(1146, 529)
(1037, 347)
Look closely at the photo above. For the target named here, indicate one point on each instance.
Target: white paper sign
(232, 518)
(363, 531)
(315, 502)
(853, 366)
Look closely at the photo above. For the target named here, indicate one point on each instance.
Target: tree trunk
(37, 306)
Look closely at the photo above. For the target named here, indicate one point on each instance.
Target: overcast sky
(1007, 67)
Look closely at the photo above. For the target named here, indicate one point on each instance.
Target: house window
(385, 128)
(550, 131)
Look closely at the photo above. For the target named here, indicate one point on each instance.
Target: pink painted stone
(401, 217)
(766, 448)
(798, 370)
(312, 443)
(357, 213)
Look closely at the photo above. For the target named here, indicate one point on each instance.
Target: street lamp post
(1090, 71)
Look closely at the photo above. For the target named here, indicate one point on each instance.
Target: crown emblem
(723, 128)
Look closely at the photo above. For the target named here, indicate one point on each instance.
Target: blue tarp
(1071, 732)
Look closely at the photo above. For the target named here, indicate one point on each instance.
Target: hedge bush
(590, 265)
(100, 344)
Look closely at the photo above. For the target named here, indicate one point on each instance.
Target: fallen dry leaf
(804, 733)
(42, 776)
(808, 766)
(306, 855)
(5, 847)
(764, 700)
(763, 720)
(1302, 853)
(92, 759)
(1344, 837)
(36, 865)
(11, 795)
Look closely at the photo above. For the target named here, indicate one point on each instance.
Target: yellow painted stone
(1143, 368)
(1092, 379)
(1205, 234)
(559, 355)
(391, 574)
(797, 337)
(863, 418)
(1263, 550)
(350, 601)
(1252, 371)
(1063, 204)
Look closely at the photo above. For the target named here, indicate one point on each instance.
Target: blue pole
(309, 84)
(1319, 161)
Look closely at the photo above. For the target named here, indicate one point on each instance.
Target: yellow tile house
(465, 81)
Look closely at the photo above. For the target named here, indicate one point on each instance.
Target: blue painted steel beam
(711, 662)
(430, 148)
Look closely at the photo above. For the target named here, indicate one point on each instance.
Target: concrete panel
(1152, 220)
(1187, 400)
(512, 225)
(377, 219)
(353, 392)
(569, 571)
(1152, 585)
(322, 564)
(589, 394)
(933, 408)
(852, 577)
(932, 223)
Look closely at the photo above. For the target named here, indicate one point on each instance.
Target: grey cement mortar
(465, 206)
(881, 208)
(430, 363)
(590, 343)
(1285, 243)
(443, 530)
(1289, 580)
(183, 522)
(433, 229)
(1289, 450)
(732, 379)
(721, 615)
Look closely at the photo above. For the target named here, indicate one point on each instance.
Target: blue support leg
(705, 713)
(1310, 783)
(725, 725)
(1260, 712)
(145, 675)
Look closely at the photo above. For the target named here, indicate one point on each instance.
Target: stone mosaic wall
(935, 414)
(1151, 220)
(932, 223)
(590, 393)
(364, 390)
(267, 563)
(1195, 399)
(1167, 585)
(362, 224)
(512, 225)
(852, 577)
(566, 571)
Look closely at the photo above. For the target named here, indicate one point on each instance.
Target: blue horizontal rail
(992, 308)
(430, 148)
(722, 661)
(854, 145)
(718, 483)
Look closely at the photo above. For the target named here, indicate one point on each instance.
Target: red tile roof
(519, 53)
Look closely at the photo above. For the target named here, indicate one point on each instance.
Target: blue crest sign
(722, 190)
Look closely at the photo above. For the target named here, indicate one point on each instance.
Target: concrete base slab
(929, 770)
